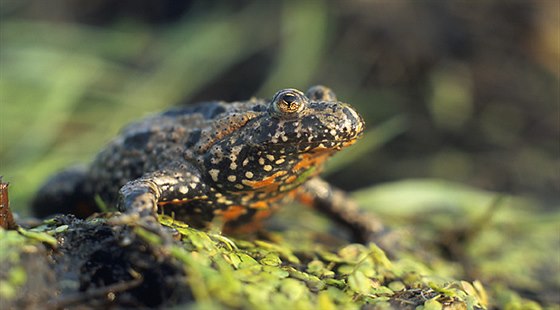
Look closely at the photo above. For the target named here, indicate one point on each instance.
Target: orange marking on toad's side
(253, 226)
(172, 202)
(262, 214)
(266, 182)
(259, 205)
(249, 228)
(304, 198)
(231, 213)
(311, 159)
(291, 179)
(263, 205)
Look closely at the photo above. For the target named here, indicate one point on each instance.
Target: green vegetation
(470, 255)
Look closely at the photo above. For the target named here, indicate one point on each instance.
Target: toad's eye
(288, 101)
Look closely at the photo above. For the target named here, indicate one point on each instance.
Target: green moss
(262, 275)
(14, 247)
(294, 270)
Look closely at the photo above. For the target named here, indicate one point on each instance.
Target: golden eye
(288, 101)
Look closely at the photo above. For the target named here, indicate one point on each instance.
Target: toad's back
(157, 142)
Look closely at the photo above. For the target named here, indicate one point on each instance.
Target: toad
(238, 161)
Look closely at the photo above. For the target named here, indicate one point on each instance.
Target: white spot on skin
(183, 189)
(333, 132)
(247, 197)
(192, 185)
(238, 186)
(236, 150)
(214, 174)
(245, 162)
(233, 166)
(279, 161)
(165, 180)
(249, 174)
(261, 161)
(284, 138)
(270, 157)
(223, 200)
(231, 178)
(215, 160)
(267, 168)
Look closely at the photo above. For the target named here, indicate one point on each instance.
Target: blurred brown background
(473, 85)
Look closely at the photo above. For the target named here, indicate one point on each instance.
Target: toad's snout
(351, 125)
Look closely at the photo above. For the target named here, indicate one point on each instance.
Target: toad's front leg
(140, 197)
(342, 209)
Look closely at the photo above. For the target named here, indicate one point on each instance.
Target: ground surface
(445, 258)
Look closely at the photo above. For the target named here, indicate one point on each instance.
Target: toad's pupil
(289, 98)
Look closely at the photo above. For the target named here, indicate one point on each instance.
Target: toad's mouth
(327, 144)
(313, 146)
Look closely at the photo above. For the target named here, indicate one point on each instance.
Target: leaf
(39, 236)
(481, 293)
(246, 261)
(397, 286)
(432, 304)
(325, 302)
(271, 260)
(379, 256)
(359, 283)
(233, 259)
(277, 272)
(292, 288)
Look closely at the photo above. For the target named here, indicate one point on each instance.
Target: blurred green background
(465, 92)
(461, 100)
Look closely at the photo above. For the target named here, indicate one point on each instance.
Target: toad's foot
(138, 202)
